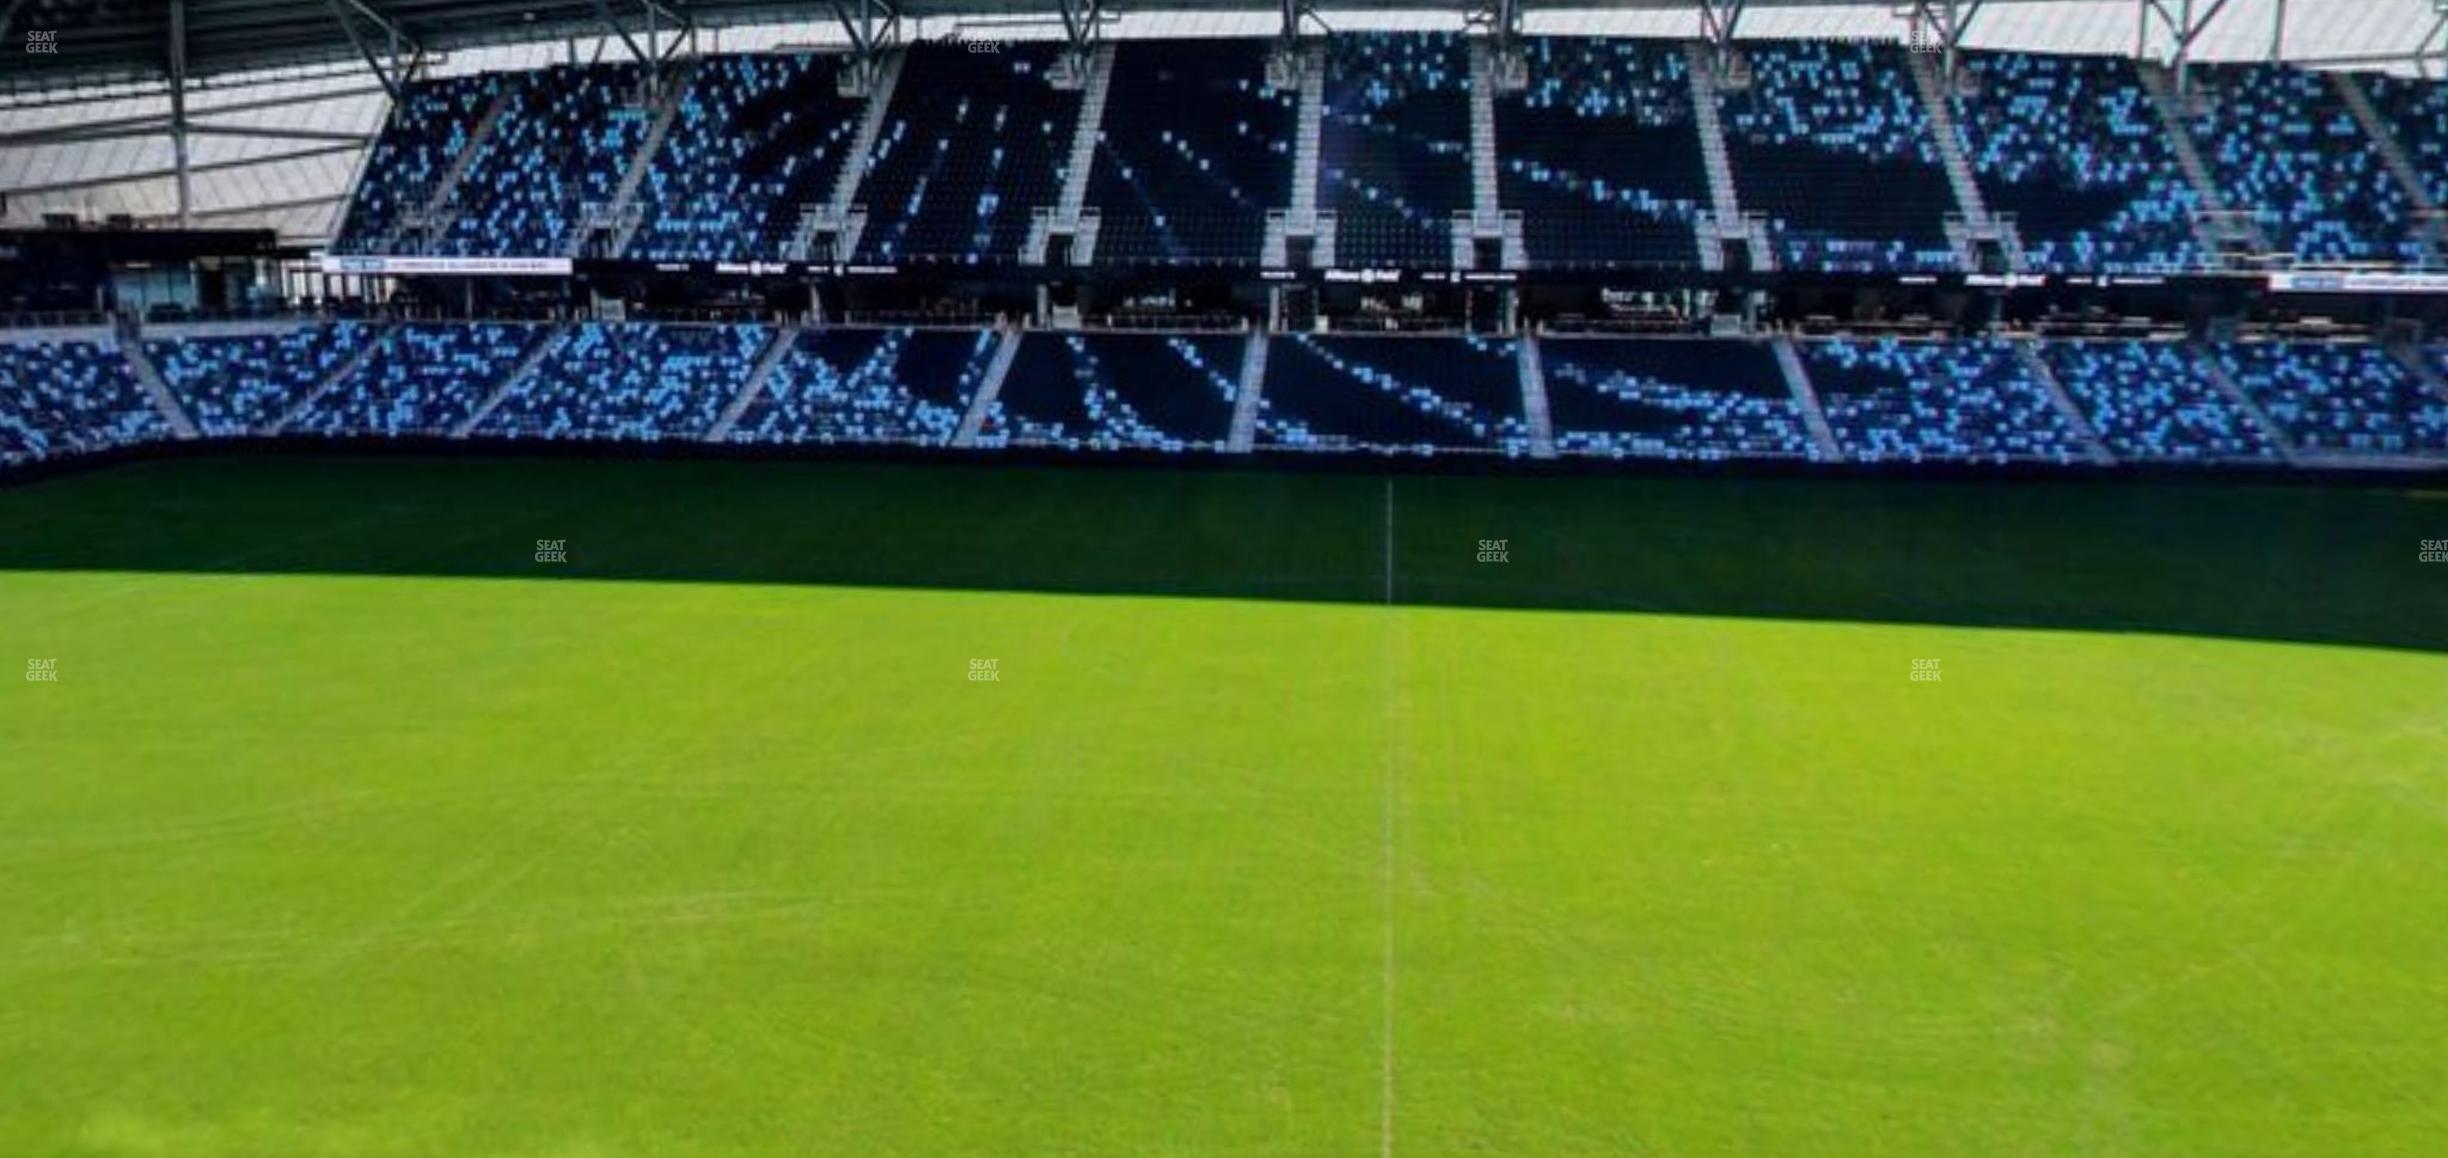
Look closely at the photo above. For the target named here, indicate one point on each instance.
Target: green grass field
(1288, 828)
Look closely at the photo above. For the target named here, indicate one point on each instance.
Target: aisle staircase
(149, 376)
(2096, 448)
(623, 214)
(1806, 399)
(982, 404)
(841, 215)
(1534, 398)
(340, 373)
(1244, 432)
(535, 354)
(760, 377)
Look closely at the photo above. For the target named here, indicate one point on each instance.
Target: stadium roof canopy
(122, 40)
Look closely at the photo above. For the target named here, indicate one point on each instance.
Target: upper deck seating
(429, 127)
(561, 146)
(755, 140)
(972, 144)
(2283, 146)
(1831, 143)
(1601, 155)
(2073, 148)
(1394, 149)
(1193, 151)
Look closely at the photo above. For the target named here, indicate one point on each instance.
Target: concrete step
(149, 376)
(340, 373)
(1084, 135)
(2038, 368)
(760, 377)
(536, 352)
(981, 405)
(1534, 398)
(1244, 432)
(1806, 399)
(624, 198)
(2226, 385)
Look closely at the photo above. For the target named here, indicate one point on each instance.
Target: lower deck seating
(1689, 399)
(243, 384)
(70, 397)
(1117, 391)
(2339, 399)
(424, 379)
(1393, 395)
(907, 387)
(1969, 401)
(2152, 401)
(641, 382)
(1680, 399)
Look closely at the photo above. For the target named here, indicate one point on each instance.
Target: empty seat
(1601, 155)
(1966, 401)
(1193, 151)
(1117, 392)
(972, 145)
(1412, 395)
(902, 386)
(1394, 146)
(1830, 142)
(2073, 148)
(1692, 399)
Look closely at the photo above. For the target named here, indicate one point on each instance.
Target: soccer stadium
(605, 578)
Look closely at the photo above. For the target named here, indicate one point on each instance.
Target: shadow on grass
(2322, 565)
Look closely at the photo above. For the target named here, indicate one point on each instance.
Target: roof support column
(2182, 27)
(1719, 19)
(178, 110)
(1939, 26)
(874, 28)
(1083, 26)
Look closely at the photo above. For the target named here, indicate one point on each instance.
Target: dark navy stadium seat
(1691, 398)
(1193, 151)
(972, 144)
(1394, 150)
(1390, 394)
(1600, 154)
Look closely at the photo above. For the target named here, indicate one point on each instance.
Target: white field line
(1385, 1099)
